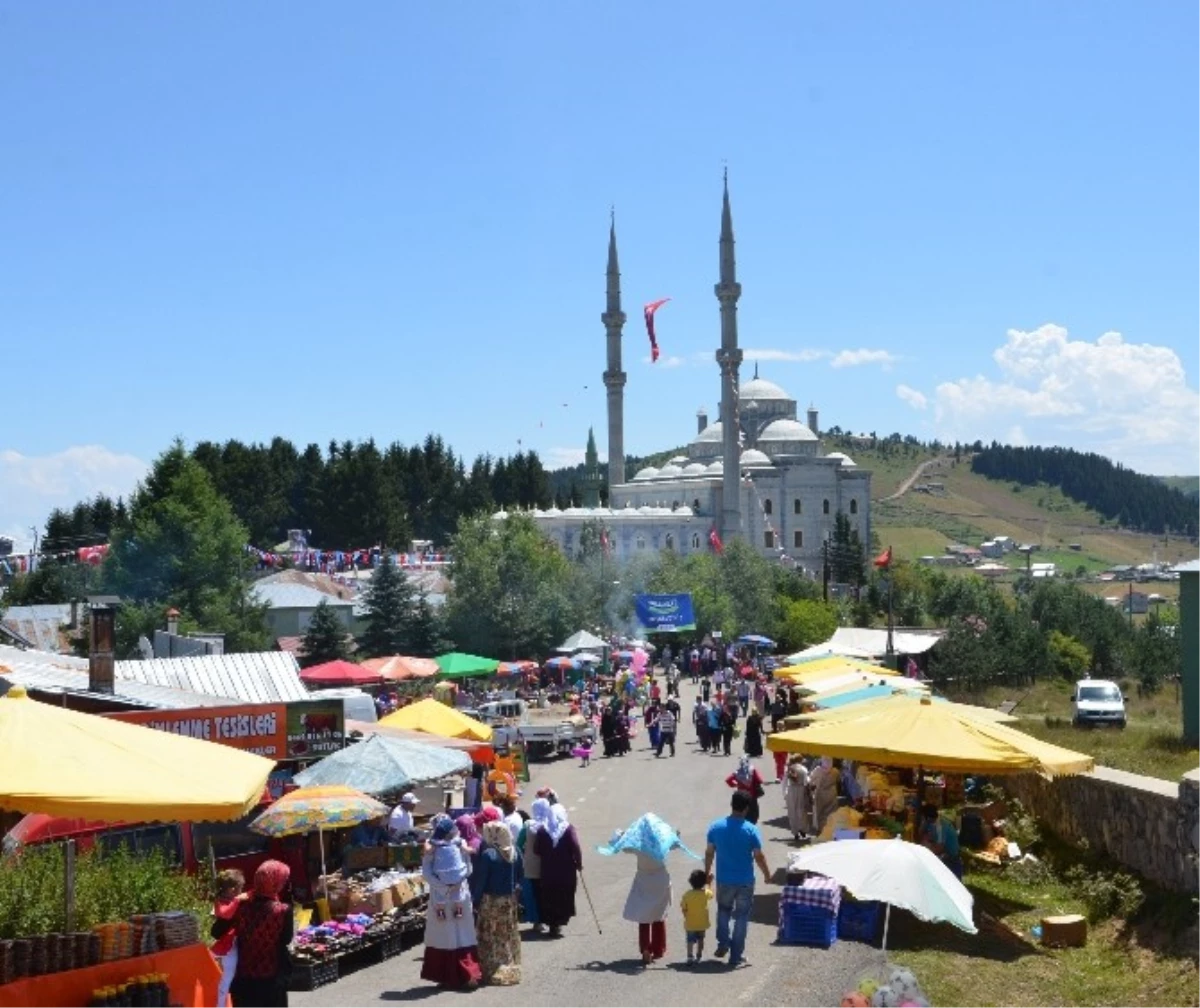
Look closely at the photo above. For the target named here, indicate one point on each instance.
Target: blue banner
(665, 613)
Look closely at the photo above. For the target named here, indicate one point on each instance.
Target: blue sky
(225, 220)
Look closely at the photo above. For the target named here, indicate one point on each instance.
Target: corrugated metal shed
(258, 677)
(55, 673)
(295, 596)
(41, 625)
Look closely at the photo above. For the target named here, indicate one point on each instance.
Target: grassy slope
(975, 508)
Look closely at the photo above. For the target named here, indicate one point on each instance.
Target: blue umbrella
(650, 835)
(758, 640)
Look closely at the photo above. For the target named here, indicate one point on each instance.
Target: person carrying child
(696, 918)
(230, 884)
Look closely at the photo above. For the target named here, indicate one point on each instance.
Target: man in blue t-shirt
(736, 845)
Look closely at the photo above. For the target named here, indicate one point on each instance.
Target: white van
(359, 706)
(1097, 702)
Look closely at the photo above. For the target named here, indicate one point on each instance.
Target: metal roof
(1187, 568)
(294, 596)
(56, 673)
(257, 677)
(41, 625)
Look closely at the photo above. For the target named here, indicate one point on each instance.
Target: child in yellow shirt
(696, 919)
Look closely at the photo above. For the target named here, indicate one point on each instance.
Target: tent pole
(887, 918)
(321, 839)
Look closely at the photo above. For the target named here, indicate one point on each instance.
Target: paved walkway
(585, 967)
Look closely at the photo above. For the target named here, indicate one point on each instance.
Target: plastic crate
(311, 975)
(860, 921)
(810, 926)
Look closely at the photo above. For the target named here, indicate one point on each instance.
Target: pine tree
(325, 640)
(427, 630)
(390, 603)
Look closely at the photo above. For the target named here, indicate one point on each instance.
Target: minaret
(614, 378)
(729, 359)
(593, 478)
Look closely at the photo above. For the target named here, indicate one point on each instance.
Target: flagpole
(891, 591)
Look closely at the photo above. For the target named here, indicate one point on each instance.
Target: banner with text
(665, 613)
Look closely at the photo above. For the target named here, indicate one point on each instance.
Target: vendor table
(191, 971)
(816, 891)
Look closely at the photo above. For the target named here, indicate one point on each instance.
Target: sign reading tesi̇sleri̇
(665, 613)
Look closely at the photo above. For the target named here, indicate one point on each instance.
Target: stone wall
(1146, 824)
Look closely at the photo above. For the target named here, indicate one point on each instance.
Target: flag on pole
(648, 311)
(604, 540)
(715, 540)
(885, 558)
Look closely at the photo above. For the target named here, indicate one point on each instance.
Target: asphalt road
(585, 967)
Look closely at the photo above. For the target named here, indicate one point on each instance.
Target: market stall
(104, 769)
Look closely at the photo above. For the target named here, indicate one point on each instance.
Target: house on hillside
(1137, 602)
(1043, 570)
(991, 549)
(290, 606)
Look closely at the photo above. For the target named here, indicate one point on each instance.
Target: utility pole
(1130, 605)
(825, 569)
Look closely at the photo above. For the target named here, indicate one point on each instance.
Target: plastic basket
(808, 926)
(860, 921)
(310, 976)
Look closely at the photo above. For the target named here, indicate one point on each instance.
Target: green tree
(390, 601)
(326, 639)
(510, 590)
(182, 546)
(1069, 659)
(847, 558)
(806, 622)
(427, 630)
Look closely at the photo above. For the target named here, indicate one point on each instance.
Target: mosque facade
(782, 495)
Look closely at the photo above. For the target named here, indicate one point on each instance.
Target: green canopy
(457, 665)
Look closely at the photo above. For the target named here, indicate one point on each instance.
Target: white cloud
(911, 396)
(804, 356)
(1129, 401)
(31, 486)
(560, 458)
(665, 362)
(857, 358)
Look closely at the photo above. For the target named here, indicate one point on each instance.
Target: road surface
(587, 968)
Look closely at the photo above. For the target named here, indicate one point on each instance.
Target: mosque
(782, 495)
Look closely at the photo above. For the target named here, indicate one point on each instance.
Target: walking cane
(591, 905)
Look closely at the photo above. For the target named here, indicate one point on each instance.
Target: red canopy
(339, 673)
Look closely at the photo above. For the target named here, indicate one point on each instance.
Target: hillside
(972, 508)
(1189, 485)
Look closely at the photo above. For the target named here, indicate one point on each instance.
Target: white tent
(581, 641)
(868, 642)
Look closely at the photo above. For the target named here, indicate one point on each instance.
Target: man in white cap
(401, 821)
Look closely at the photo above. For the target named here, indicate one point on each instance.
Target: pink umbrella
(401, 667)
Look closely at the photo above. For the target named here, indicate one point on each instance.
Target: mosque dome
(669, 470)
(694, 469)
(679, 460)
(683, 511)
(786, 430)
(752, 458)
(714, 468)
(844, 459)
(710, 435)
(760, 388)
(646, 474)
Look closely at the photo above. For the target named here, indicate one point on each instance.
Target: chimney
(813, 424)
(102, 649)
(701, 420)
(173, 621)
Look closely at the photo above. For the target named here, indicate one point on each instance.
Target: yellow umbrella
(905, 731)
(66, 763)
(437, 719)
(815, 672)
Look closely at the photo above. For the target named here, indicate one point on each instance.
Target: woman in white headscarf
(824, 781)
(556, 843)
(450, 944)
(496, 887)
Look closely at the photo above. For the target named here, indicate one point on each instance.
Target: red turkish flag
(885, 558)
(648, 311)
(715, 540)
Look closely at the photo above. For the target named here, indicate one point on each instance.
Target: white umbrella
(580, 641)
(585, 657)
(894, 872)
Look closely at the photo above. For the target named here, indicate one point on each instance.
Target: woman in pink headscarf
(263, 923)
(468, 832)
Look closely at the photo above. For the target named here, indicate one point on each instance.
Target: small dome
(500, 514)
(710, 434)
(694, 469)
(845, 459)
(760, 388)
(552, 512)
(786, 430)
(645, 509)
(678, 460)
(645, 474)
(752, 458)
(683, 511)
(715, 468)
(670, 469)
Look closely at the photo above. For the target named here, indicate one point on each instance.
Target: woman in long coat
(824, 781)
(797, 797)
(496, 888)
(753, 742)
(608, 732)
(647, 906)
(451, 957)
(557, 844)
